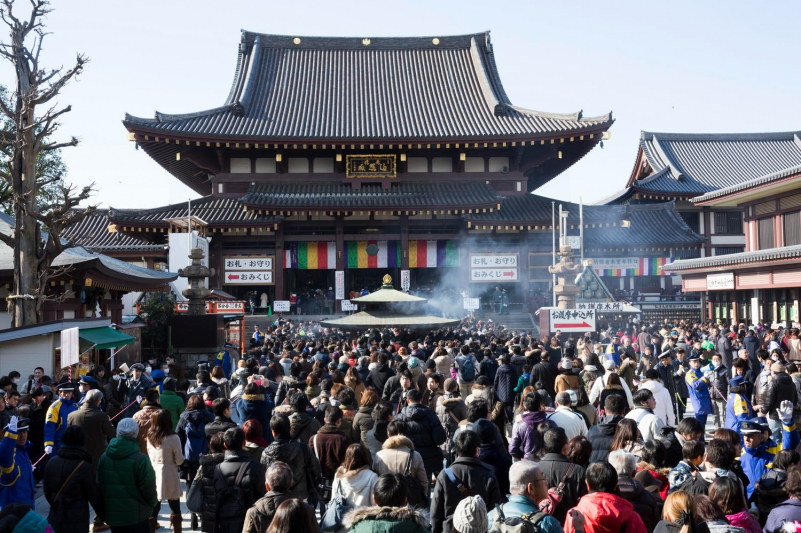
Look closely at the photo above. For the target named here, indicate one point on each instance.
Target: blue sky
(659, 66)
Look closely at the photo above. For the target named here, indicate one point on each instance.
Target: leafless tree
(36, 237)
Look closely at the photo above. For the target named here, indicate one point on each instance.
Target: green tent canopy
(104, 338)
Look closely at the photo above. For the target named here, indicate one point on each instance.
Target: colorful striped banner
(311, 255)
(631, 266)
(432, 254)
(387, 254)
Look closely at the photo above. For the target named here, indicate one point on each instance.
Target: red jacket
(606, 513)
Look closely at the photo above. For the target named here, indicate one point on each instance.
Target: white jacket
(648, 423)
(598, 386)
(356, 486)
(664, 405)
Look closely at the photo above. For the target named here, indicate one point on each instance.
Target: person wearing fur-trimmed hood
(390, 514)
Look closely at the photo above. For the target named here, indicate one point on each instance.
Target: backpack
(467, 369)
(416, 497)
(490, 368)
(196, 443)
(516, 524)
(232, 504)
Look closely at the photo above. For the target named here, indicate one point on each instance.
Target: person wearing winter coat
(505, 381)
(542, 372)
(664, 406)
(494, 454)
(57, 414)
(788, 511)
(555, 464)
(649, 424)
(525, 442)
(16, 471)
(395, 454)
(480, 391)
(728, 494)
(444, 362)
(221, 407)
(70, 476)
(290, 382)
(603, 510)
(527, 489)
(354, 481)
(95, 424)
(380, 373)
(602, 434)
(278, 482)
(466, 470)
(425, 431)
(566, 379)
(127, 481)
(237, 466)
(648, 360)
(780, 388)
(301, 459)
(760, 449)
(698, 384)
(601, 383)
(738, 405)
(170, 401)
(645, 503)
(389, 514)
(451, 410)
(363, 421)
(330, 444)
(144, 417)
(718, 388)
(771, 488)
(255, 404)
(164, 451)
(303, 425)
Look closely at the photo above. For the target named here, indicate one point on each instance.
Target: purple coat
(787, 511)
(524, 435)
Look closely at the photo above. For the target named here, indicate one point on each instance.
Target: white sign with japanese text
(248, 278)
(339, 277)
(600, 306)
(493, 260)
(720, 282)
(572, 319)
(347, 305)
(281, 306)
(493, 275)
(472, 304)
(406, 280)
(262, 262)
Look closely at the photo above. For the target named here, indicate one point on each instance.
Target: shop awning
(105, 338)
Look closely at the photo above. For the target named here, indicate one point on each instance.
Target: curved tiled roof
(393, 89)
(92, 233)
(211, 210)
(697, 164)
(338, 195)
(730, 260)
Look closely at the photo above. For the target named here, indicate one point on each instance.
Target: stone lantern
(196, 292)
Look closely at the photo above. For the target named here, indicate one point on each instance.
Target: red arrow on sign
(568, 325)
(509, 274)
(231, 276)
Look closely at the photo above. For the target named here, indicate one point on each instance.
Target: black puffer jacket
(378, 377)
(426, 433)
(303, 426)
(779, 389)
(601, 437)
(70, 513)
(363, 421)
(206, 471)
(252, 486)
(479, 480)
(305, 466)
(286, 385)
(648, 506)
(770, 492)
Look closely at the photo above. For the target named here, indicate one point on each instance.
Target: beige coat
(393, 457)
(444, 363)
(165, 460)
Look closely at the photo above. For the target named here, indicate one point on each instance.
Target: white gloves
(12, 424)
(49, 450)
(786, 412)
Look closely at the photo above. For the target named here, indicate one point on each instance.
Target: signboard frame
(572, 320)
(281, 306)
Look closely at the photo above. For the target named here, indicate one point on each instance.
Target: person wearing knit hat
(127, 481)
(470, 516)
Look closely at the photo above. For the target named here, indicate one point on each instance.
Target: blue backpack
(467, 370)
(196, 443)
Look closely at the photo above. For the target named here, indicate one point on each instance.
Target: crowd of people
(679, 428)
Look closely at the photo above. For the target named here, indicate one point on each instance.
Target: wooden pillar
(708, 220)
(734, 312)
(404, 242)
(216, 260)
(340, 240)
(464, 254)
(279, 262)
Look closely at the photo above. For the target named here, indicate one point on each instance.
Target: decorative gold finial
(366, 42)
(387, 279)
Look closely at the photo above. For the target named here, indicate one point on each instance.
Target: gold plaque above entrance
(371, 166)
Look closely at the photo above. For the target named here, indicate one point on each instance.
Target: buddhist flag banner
(433, 254)
(373, 254)
(311, 255)
(631, 266)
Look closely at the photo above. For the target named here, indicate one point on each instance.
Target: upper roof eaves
(696, 164)
(409, 89)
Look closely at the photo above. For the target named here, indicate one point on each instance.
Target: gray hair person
(528, 486)
(646, 503)
(94, 397)
(278, 481)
